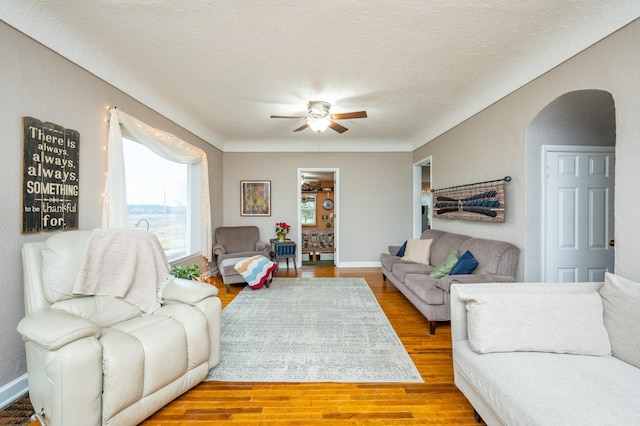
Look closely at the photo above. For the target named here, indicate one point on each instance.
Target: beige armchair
(98, 360)
(235, 243)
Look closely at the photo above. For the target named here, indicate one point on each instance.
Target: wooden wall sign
(50, 185)
(483, 201)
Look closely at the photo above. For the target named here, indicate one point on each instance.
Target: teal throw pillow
(444, 268)
(466, 264)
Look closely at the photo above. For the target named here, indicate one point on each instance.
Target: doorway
(578, 213)
(580, 121)
(422, 199)
(318, 206)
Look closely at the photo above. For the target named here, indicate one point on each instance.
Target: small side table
(281, 250)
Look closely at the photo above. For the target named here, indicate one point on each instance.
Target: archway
(579, 118)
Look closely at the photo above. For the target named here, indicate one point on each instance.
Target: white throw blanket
(125, 263)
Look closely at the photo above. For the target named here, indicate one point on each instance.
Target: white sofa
(549, 354)
(98, 360)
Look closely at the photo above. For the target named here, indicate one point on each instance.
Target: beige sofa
(498, 262)
(549, 353)
(99, 360)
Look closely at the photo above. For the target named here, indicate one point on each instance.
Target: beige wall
(38, 83)
(375, 188)
(373, 204)
(492, 144)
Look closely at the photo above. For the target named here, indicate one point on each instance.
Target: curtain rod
(472, 185)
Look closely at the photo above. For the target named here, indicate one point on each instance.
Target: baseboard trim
(13, 390)
(358, 265)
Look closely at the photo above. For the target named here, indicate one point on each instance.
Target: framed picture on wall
(255, 198)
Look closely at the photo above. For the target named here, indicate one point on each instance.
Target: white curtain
(166, 145)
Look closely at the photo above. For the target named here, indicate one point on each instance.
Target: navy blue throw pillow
(402, 250)
(466, 264)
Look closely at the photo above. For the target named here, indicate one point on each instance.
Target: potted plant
(186, 272)
(282, 229)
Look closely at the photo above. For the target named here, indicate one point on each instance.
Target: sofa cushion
(432, 234)
(494, 257)
(560, 323)
(157, 343)
(228, 266)
(425, 288)
(447, 242)
(195, 326)
(61, 260)
(445, 282)
(466, 264)
(620, 299)
(236, 239)
(388, 260)
(104, 311)
(534, 388)
(444, 268)
(418, 251)
(401, 269)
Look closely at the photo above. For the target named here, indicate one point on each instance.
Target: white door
(578, 222)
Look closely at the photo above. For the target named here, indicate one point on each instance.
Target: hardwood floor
(436, 401)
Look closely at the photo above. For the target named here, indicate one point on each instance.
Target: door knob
(612, 243)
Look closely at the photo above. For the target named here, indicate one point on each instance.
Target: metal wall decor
(481, 201)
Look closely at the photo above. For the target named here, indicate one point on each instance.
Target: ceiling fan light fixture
(320, 117)
(319, 124)
(318, 109)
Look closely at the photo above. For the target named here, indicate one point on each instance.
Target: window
(196, 235)
(160, 195)
(308, 210)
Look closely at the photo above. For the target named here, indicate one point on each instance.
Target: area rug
(311, 330)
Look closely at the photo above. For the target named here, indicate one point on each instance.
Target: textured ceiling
(221, 68)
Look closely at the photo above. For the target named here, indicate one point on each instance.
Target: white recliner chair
(99, 360)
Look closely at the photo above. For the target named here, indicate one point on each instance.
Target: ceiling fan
(320, 117)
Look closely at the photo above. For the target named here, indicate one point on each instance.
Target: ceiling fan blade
(304, 126)
(337, 127)
(348, 115)
(287, 116)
